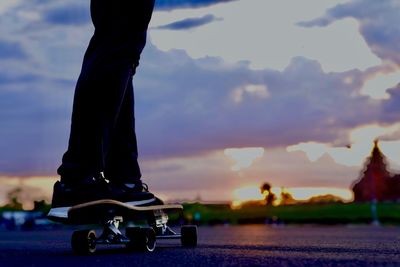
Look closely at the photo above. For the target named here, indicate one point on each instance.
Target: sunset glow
(245, 194)
(33, 188)
(253, 193)
(304, 193)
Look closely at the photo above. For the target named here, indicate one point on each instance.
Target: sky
(229, 93)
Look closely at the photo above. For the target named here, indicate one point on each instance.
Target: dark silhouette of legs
(102, 137)
(121, 163)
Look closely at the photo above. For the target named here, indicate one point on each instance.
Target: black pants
(102, 137)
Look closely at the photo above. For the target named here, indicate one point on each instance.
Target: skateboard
(110, 214)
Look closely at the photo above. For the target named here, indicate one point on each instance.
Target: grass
(335, 213)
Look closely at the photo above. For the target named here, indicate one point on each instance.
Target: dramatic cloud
(267, 35)
(185, 107)
(189, 23)
(174, 4)
(378, 22)
(194, 98)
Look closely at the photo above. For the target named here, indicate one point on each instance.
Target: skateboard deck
(96, 211)
(110, 213)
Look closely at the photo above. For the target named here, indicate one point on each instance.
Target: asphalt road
(220, 246)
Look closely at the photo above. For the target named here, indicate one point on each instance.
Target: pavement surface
(255, 245)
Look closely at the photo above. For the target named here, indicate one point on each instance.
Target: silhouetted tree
(286, 198)
(13, 199)
(328, 198)
(269, 196)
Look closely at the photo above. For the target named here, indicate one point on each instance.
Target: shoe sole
(62, 212)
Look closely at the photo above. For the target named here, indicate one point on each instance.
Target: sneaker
(136, 194)
(67, 195)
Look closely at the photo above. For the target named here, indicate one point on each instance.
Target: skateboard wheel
(84, 242)
(189, 236)
(141, 239)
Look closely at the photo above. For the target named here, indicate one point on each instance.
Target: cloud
(189, 23)
(191, 104)
(377, 86)
(185, 108)
(68, 15)
(18, 79)
(243, 157)
(391, 107)
(11, 50)
(250, 90)
(35, 116)
(378, 22)
(266, 34)
(359, 147)
(5, 5)
(175, 4)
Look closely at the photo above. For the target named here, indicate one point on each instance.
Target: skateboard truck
(135, 238)
(111, 234)
(163, 231)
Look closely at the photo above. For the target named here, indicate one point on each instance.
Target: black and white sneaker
(136, 194)
(67, 195)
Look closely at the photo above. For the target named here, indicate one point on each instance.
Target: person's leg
(108, 67)
(97, 102)
(100, 94)
(121, 164)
